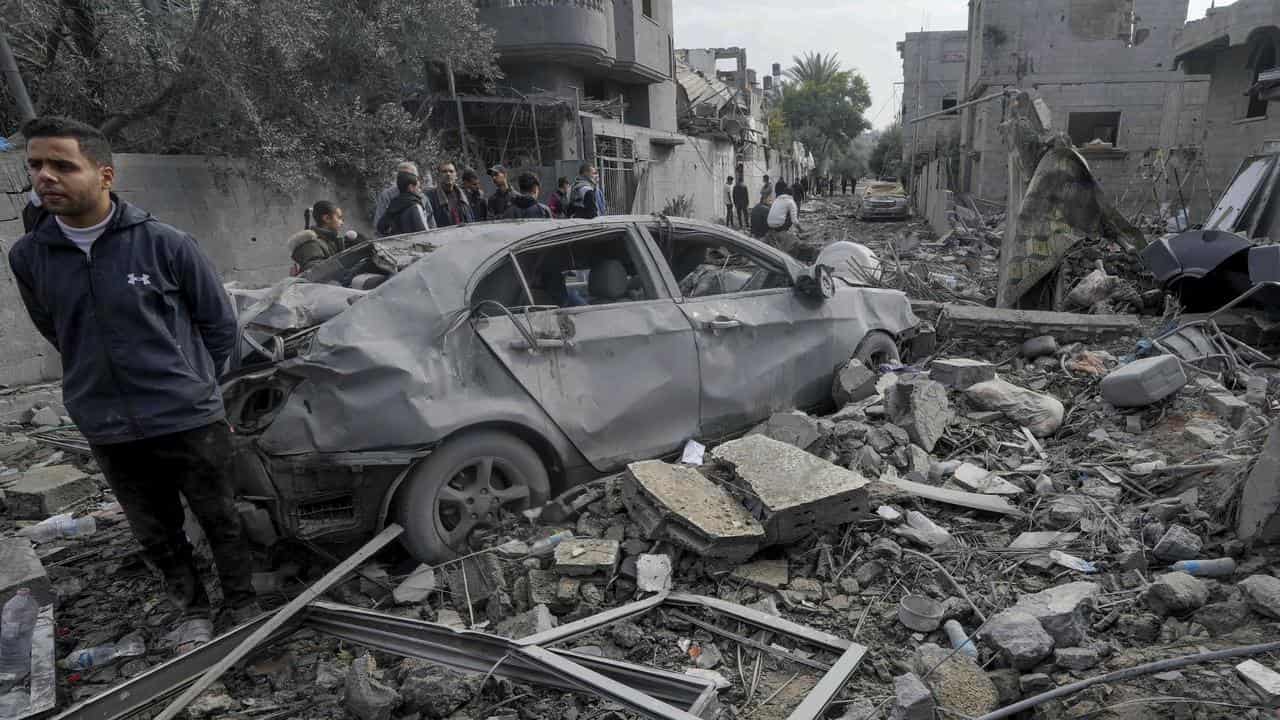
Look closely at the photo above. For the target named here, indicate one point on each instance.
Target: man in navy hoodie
(144, 328)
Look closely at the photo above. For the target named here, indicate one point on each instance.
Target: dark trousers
(743, 221)
(147, 477)
(728, 215)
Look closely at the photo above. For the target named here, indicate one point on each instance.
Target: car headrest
(608, 280)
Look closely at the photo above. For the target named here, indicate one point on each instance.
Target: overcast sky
(863, 32)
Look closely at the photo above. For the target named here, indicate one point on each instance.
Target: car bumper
(870, 212)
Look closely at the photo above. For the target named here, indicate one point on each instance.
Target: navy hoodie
(143, 325)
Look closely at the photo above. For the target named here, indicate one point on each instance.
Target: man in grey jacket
(144, 328)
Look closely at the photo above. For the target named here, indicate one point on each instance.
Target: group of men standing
(407, 206)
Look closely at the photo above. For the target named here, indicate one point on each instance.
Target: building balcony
(578, 32)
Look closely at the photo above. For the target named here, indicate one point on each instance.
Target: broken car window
(705, 265)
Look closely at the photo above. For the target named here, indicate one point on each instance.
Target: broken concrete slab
(1040, 413)
(1264, 681)
(20, 567)
(1259, 518)
(1076, 658)
(45, 491)
(1019, 639)
(1263, 594)
(536, 620)
(1222, 618)
(794, 492)
(1178, 543)
(436, 691)
(854, 382)
(653, 573)
(888, 487)
(1230, 408)
(770, 574)
(957, 682)
(483, 579)
(582, 557)
(1019, 325)
(1176, 594)
(1063, 611)
(919, 406)
(913, 701)
(960, 373)
(415, 588)
(793, 427)
(1144, 382)
(678, 503)
(980, 480)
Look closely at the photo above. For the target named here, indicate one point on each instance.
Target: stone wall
(243, 227)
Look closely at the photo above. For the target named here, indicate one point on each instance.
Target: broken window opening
(1264, 60)
(1093, 128)
(949, 104)
(646, 7)
(705, 265)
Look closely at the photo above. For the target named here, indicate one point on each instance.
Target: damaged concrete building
(1105, 69)
(1238, 48)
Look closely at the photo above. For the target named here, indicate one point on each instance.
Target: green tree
(827, 114)
(294, 84)
(814, 68)
(886, 157)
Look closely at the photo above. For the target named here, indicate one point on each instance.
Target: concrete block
(1263, 594)
(20, 567)
(538, 619)
(1262, 680)
(1230, 408)
(1178, 543)
(1062, 611)
(1176, 594)
(919, 406)
(1019, 639)
(415, 588)
(960, 373)
(484, 578)
(1143, 382)
(794, 428)
(677, 503)
(795, 493)
(47, 491)
(584, 557)
(913, 701)
(971, 321)
(854, 382)
(653, 573)
(1078, 658)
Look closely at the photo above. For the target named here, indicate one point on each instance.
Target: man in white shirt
(784, 222)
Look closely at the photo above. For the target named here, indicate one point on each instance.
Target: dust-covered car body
(882, 200)
(584, 345)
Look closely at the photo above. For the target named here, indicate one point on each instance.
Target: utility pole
(17, 88)
(462, 122)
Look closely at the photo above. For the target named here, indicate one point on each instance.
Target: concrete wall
(933, 70)
(241, 226)
(577, 31)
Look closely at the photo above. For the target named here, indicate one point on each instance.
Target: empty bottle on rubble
(1206, 568)
(59, 526)
(959, 638)
(131, 645)
(17, 625)
(547, 545)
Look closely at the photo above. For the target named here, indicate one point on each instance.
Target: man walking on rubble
(144, 328)
(447, 199)
(784, 222)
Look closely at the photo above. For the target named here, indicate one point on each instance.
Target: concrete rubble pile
(1047, 499)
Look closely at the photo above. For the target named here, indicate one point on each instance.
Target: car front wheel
(470, 482)
(876, 349)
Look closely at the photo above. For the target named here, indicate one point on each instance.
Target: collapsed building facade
(1106, 73)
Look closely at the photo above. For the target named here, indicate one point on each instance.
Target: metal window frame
(647, 691)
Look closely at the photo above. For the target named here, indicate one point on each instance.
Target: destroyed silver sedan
(500, 363)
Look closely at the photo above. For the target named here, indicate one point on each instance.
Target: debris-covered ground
(1005, 516)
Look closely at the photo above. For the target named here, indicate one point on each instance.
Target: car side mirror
(819, 283)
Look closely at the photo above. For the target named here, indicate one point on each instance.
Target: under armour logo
(143, 279)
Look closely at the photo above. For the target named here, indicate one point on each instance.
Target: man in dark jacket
(475, 196)
(741, 202)
(144, 328)
(500, 200)
(583, 203)
(447, 200)
(760, 214)
(406, 212)
(525, 206)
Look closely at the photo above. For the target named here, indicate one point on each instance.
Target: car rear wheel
(876, 349)
(469, 483)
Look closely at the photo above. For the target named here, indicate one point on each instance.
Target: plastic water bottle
(17, 624)
(131, 645)
(59, 526)
(547, 545)
(959, 638)
(1206, 568)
